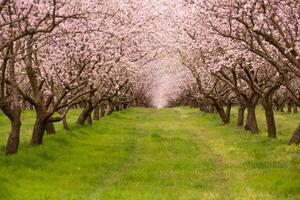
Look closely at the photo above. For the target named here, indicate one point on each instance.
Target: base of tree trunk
(38, 133)
(228, 111)
(269, 116)
(89, 119)
(50, 128)
(96, 113)
(85, 113)
(14, 138)
(222, 113)
(65, 123)
(295, 109)
(102, 111)
(296, 136)
(251, 122)
(241, 114)
(289, 108)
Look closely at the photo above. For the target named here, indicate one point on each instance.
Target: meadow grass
(164, 154)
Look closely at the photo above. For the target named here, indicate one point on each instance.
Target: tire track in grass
(171, 163)
(114, 178)
(221, 179)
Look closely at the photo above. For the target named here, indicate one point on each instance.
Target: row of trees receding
(241, 53)
(57, 54)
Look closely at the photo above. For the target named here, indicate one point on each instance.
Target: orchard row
(59, 54)
(245, 53)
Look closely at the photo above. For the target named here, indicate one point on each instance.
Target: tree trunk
(295, 108)
(89, 119)
(102, 112)
(201, 108)
(251, 122)
(96, 113)
(12, 108)
(212, 108)
(296, 136)
(289, 107)
(84, 114)
(208, 108)
(14, 136)
(228, 111)
(118, 108)
(241, 114)
(38, 131)
(221, 113)
(65, 123)
(269, 115)
(110, 109)
(50, 129)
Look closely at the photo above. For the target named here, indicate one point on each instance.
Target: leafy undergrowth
(153, 154)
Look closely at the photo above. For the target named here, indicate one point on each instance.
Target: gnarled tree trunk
(221, 112)
(14, 136)
(12, 107)
(38, 131)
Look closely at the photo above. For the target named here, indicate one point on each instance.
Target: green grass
(153, 154)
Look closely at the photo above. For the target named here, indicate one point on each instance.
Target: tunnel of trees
(56, 55)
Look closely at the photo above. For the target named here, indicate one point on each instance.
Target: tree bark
(11, 107)
(241, 114)
(295, 139)
(65, 123)
(110, 109)
(289, 107)
(251, 122)
(14, 136)
(89, 119)
(211, 108)
(221, 112)
(96, 113)
(84, 114)
(269, 115)
(102, 112)
(50, 128)
(38, 131)
(228, 111)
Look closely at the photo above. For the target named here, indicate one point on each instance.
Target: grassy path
(153, 154)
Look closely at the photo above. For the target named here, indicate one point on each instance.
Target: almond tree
(269, 29)
(20, 22)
